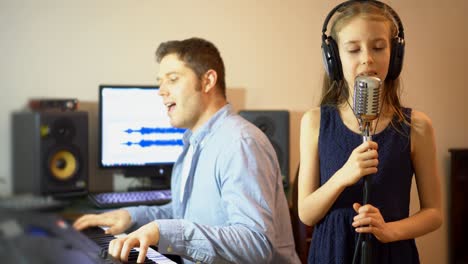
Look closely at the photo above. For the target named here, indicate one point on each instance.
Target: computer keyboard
(32, 202)
(122, 199)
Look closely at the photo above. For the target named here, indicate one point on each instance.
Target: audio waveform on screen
(155, 130)
(148, 143)
(165, 131)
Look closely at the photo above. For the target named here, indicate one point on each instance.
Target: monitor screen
(135, 132)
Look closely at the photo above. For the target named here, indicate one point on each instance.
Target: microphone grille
(367, 97)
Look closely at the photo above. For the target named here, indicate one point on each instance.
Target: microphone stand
(366, 108)
(364, 242)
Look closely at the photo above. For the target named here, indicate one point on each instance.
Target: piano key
(97, 235)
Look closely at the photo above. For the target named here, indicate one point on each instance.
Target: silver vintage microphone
(366, 102)
(366, 108)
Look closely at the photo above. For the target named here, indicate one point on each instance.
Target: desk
(79, 207)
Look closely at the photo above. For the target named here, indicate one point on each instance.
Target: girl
(366, 39)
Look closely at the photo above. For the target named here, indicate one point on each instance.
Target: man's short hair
(198, 54)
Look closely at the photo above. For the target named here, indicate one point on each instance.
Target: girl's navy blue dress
(334, 237)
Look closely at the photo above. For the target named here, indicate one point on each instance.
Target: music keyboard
(29, 237)
(97, 235)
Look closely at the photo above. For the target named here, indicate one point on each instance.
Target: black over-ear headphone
(331, 56)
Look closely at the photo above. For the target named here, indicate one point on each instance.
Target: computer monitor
(135, 133)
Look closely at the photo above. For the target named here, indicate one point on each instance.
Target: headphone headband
(401, 33)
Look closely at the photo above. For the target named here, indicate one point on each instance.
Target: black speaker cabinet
(50, 153)
(275, 124)
(458, 206)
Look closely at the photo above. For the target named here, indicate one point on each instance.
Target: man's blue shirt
(234, 209)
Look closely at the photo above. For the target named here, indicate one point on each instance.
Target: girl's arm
(314, 201)
(429, 217)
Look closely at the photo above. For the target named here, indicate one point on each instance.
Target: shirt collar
(215, 121)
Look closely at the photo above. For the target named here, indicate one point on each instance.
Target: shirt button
(169, 249)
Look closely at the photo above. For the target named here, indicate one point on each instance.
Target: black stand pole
(363, 241)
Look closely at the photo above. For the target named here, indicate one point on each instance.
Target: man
(228, 204)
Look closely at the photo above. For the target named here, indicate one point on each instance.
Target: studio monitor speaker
(275, 124)
(50, 152)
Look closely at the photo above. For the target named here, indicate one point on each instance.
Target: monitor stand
(157, 176)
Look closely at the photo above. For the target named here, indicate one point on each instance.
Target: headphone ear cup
(331, 59)
(396, 58)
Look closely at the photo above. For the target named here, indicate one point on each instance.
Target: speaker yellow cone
(63, 165)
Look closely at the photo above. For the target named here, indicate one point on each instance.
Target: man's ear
(209, 80)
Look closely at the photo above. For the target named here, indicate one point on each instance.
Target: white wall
(271, 51)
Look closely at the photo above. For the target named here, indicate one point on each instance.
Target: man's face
(181, 91)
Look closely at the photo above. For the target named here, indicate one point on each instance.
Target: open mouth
(369, 73)
(170, 106)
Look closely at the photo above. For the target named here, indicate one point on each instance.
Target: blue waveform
(148, 143)
(156, 130)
